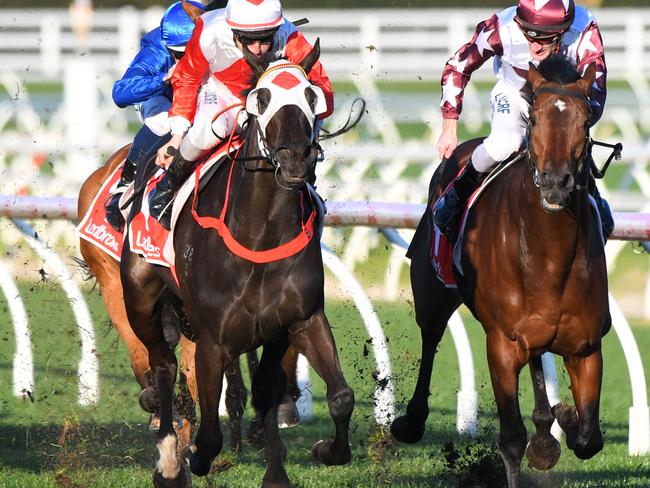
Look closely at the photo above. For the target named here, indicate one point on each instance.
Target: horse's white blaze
(168, 465)
(561, 106)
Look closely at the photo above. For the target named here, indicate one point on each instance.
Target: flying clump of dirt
(475, 466)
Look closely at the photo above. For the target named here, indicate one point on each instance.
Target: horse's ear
(535, 78)
(192, 11)
(257, 63)
(309, 61)
(586, 82)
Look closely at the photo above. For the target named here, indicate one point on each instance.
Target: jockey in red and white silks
(514, 37)
(212, 50)
(215, 68)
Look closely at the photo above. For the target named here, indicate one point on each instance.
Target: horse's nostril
(567, 181)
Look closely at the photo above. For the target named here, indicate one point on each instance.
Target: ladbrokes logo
(103, 235)
(144, 243)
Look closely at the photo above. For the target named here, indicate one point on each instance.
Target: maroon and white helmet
(540, 18)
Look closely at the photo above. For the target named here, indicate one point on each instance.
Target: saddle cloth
(445, 255)
(146, 236)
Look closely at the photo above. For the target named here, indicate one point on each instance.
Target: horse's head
(558, 128)
(286, 106)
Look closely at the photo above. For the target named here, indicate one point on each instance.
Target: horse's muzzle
(555, 190)
(295, 169)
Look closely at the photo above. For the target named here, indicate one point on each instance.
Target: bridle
(582, 169)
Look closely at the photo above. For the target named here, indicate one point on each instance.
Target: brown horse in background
(533, 273)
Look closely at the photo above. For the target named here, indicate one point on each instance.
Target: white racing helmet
(254, 15)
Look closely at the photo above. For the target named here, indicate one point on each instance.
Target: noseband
(582, 169)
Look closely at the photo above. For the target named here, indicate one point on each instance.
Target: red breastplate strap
(283, 251)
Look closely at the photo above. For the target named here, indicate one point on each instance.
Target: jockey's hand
(448, 139)
(170, 72)
(165, 154)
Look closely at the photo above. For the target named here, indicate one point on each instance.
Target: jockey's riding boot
(606, 218)
(113, 211)
(163, 194)
(449, 207)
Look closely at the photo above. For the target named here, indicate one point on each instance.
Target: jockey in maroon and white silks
(502, 38)
(214, 68)
(514, 37)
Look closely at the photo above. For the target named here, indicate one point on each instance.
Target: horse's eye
(310, 154)
(263, 99)
(311, 97)
(532, 121)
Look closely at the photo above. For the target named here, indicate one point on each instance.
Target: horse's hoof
(182, 480)
(567, 418)
(275, 477)
(587, 450)
(406, 431)
(148, 400)
(324, 452)
(288, 415)
(199, 465)
(543, 451)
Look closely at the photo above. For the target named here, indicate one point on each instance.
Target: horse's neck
(256, 199)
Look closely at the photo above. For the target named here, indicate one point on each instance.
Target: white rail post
(639, 414)
(23, 365)
(81, 102)
(384, 396)
(88, 365)
(50, 46)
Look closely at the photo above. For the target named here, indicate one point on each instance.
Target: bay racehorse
(235, 304)
(533, 273)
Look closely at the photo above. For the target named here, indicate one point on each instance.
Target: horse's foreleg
(170, 471)
(434, 305)
(504, 372)
(269, 385)
(582, 424)
(314, 339)
(188, 393)
(288, 415)
(210, 362)
(543, 450)
(256, 427)
(235, 404)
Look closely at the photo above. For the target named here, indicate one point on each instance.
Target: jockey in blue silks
(146, 85)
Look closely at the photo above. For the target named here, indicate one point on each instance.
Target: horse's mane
(267, 58)
(557, 68)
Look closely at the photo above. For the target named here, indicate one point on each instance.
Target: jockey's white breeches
(214, 120)
(507, 128)
(154, 114)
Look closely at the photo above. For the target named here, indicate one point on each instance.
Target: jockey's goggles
(251, 37)
(541, 37)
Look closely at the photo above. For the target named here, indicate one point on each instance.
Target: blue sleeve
(143, 78)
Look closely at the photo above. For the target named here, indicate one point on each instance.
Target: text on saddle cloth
(94, 228)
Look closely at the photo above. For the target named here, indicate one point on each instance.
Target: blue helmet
(176, 26)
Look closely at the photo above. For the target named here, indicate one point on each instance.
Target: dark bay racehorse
(234, 304)
(534, 276)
